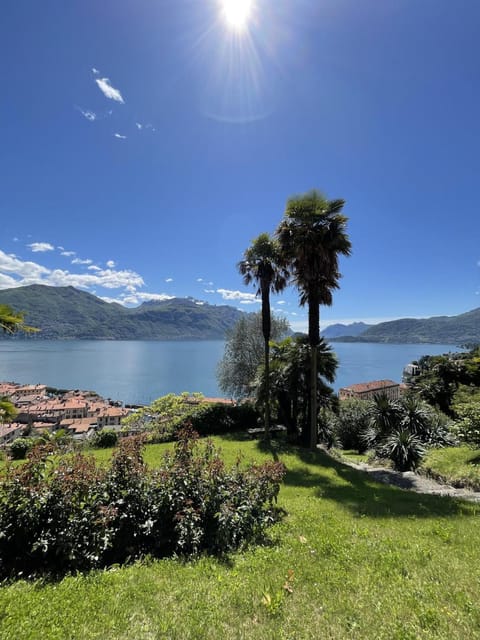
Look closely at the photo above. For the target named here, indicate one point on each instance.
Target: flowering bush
(64, 515)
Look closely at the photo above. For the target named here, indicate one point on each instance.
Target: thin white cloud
(7, 282)
(168, 279)
(281, 302)
(139, 125)
(15, 239)
(88, 115)
(28, 272)
(109, 91)
(68, 254)
(199, 279)
(118, 135)
(40, 247)
(110, 264)
(80, 261)
(137, 298)
(16, 272)
(209, 290)
(244, 298)
(93, 267)
(95, 71)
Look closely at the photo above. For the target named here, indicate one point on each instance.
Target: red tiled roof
(362, 387)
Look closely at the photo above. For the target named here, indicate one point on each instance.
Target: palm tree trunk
(266, 327)
(314, 339)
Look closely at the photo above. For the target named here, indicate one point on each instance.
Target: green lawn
(368, 561)
(459, 466)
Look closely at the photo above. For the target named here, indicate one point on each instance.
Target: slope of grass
(351, 559)
(459, 466)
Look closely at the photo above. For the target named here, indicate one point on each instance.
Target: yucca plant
(403, 448)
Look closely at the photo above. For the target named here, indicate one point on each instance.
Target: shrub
(105, 438)
(467, 426)
(20, 447)
(403, 448)
(217, 419)
(65, 515)
(350, 425)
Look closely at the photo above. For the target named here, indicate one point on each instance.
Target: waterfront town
(41, 409)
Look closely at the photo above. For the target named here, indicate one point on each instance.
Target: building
(368, 390)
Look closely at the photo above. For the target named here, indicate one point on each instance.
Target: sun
(236, 13)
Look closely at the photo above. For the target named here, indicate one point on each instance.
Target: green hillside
(461, 329)
(66, 312)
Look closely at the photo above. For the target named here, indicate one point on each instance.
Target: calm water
(139, 371)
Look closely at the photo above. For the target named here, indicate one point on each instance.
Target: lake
(137, 372)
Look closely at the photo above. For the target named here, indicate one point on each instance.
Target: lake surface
(137, 372)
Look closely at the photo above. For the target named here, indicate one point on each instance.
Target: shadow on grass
(358, 491)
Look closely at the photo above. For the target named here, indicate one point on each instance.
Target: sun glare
(236, 12)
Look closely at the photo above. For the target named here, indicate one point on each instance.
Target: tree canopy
(244, 353)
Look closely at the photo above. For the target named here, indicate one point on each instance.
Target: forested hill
(66, 312)
(461, 329)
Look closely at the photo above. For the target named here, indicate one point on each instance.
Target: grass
(459, 466)
(368, 561)
(351, 455)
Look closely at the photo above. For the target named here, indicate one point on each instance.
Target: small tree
(244, 353)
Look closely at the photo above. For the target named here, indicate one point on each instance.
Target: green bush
(403, 448)
(467, 427)
(217, 419)
(20, 447)
(69, 515)
(351, 423)
(105, 438)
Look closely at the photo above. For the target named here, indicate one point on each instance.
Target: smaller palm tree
(262, 266)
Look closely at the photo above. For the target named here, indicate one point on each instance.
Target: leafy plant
(61, 515)
(403, 448)
(105, 438)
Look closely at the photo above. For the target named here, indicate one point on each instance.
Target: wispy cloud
(118, 135)
(168, 279)
(209, 290)
(40, 247)
(139, 125)
(95, 71)
(244, 298)
(109, 91)
(80, 261)
(68, 254)
(89, 115)
(93, 267)
(137, 298)
(110, 264)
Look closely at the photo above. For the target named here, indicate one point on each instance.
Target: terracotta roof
(362, 387)
(11, 427)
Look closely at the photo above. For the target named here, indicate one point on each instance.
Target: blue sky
(145, 143)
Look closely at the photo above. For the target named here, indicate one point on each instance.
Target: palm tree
(312, 235)
(11, 321)
(262, 266)
(290, 375)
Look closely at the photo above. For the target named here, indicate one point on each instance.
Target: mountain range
(66, 312)
(461, 329)
(338, 330)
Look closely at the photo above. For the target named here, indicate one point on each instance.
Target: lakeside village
(82, 414)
